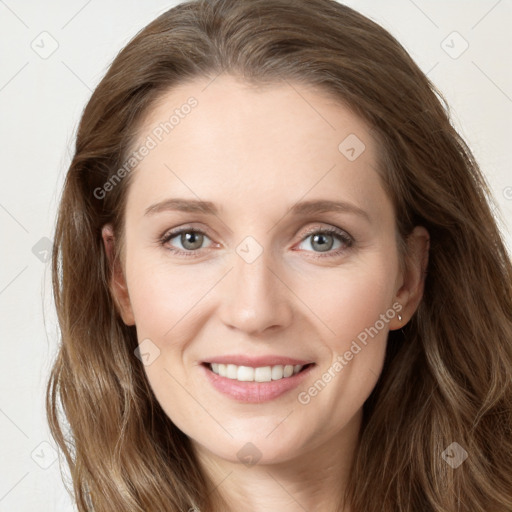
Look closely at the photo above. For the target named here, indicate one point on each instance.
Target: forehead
(229, 140)
(227, 108)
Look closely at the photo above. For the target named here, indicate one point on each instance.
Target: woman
(279, 282)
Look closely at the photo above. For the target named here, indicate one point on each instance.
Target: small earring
(399, 317)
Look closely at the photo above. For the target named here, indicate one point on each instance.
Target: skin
(255, 152)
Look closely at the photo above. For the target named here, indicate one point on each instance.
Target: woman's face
(288, 257)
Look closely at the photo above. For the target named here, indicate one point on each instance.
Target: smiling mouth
(256, 374)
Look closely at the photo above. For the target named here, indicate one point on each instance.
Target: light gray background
(41, 99)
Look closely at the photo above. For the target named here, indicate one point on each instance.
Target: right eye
(190, 239)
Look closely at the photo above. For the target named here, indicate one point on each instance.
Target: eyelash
(342, 236)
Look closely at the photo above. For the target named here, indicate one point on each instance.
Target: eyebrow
(183, 205)
(304, 208)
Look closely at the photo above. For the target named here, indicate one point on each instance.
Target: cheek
(355, 308)
(163, 295)
(351, 298)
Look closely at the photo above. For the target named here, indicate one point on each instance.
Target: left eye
(324, 240)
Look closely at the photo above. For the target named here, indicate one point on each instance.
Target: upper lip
(255, 362)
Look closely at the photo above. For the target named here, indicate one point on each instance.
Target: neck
(314, 479)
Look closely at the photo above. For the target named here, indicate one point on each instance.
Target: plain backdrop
(53, 54)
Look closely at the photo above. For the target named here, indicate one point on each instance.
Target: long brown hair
(448, 373)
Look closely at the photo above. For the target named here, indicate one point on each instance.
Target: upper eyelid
(174, 232)
(330, 229)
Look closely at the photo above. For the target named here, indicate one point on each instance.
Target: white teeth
(245, 373)
(231, 371)
(277, 372)
(260, 374)
(263, 374)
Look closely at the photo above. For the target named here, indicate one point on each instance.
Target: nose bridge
(254, 298)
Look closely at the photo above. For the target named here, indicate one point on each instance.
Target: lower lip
(254, 392)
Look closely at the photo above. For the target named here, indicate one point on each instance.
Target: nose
(255, 297)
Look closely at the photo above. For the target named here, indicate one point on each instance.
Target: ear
(118, 286)
(411, 289)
